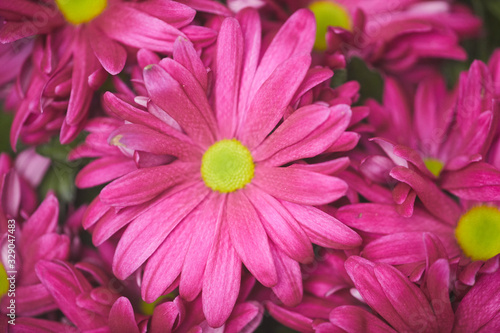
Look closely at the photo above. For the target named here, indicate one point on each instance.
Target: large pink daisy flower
(226, 199)
(79, 42)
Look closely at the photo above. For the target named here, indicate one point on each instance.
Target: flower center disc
(478, 232)
(227, 166)
(81, 11)
(4, 283)
(328, 13)
(434, 165)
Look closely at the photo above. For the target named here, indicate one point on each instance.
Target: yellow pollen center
(227, 166)
(81, 11)
(478, 232)
(328, 13)
(434, 165)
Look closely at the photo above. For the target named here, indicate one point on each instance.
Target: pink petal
(479, 307)
(296, 36)
(289, 318)
(227, 76)
(362, 274)
(207, 6)
(479, 181)
(355, 319)
(201, 242)
(271, 100)
(185, 54)
(322, 228)
(165, 264)
(396, 249)
(94, 212)
(221, 281)
(299, 186)
(249, 238)
(84, 64)
(127, 112)
(431, 196)
(249, 20)
(142, 185)
(246, 317)
(42, 221)
(110, 54)
(137, 29)
(281, 227)
(438, 284)
(172, 12)
(121, 317)
(104, 170)
(140, 137)
(160, 221)
(289, 286)
(169, 95)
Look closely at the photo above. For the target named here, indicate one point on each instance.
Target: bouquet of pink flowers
(250, 166)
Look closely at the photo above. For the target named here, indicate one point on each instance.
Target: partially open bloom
(79, 42)
(401, 37)
(226, 199)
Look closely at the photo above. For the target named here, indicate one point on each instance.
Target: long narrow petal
(222, 278)
(271, 100)
(202, 240)
(137, 29)
(281, 227)
(249, 238)
(249, 20)
(169, 95)
(149, 230)
(299, 186)
(438, 284)
(479, 307)
(185, 54)
(140, 137)
(355, 319)
(144, 184)
(103, 170)
(289, 286)
(323, 229)
(165, 264)
(228, 75)
(316, 141)
(296, 36)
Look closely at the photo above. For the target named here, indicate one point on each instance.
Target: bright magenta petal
(249, 238)
(299, 186)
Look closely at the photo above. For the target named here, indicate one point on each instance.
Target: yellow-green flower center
(478, 232)
(81, 11)
(434, 165)
(328, 13)
(227, 166)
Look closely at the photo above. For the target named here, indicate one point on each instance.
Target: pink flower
(78, 43)
(441, 141)
(226, 200)
(402, 38)
(407, 308)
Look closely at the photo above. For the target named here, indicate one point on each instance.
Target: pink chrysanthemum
(406, 307)
(78, 43)
(226, 200)
(400, 37)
